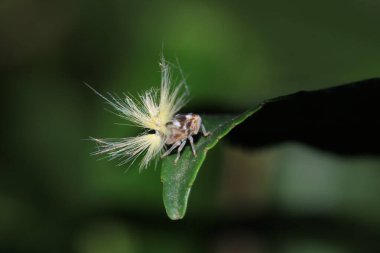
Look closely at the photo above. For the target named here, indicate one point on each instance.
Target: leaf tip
(174, 215)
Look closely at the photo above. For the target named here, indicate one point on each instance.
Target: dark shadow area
(343, 119)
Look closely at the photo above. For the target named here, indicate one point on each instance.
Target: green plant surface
(178, 178)
(320, 118)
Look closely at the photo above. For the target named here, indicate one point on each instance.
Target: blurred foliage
(55, 197)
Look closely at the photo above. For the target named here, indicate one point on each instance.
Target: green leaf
(342, 119)
(178, 178)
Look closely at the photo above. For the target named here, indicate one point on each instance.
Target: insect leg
(205, 133)
(176, 144)
(179, 151)
(192, 145)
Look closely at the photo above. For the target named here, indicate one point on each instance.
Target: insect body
(181, 129)
(155, 112)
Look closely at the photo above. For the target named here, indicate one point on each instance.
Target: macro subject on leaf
(155, 111)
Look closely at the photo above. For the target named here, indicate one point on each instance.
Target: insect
(156, 112)
(181, 129)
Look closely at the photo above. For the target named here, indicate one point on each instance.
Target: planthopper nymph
(156, 112)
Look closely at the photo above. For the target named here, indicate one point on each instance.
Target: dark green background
(55, 197)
